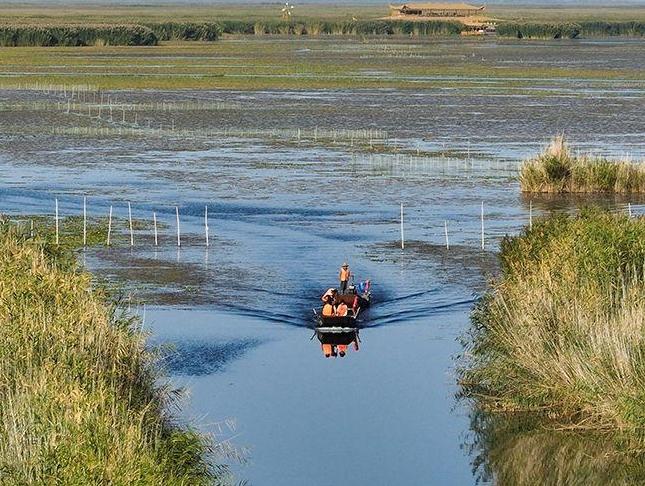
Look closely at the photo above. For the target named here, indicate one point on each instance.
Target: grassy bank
(561, 334)
(76, 35)
(571, 30)
(78, 393)
(557, 170)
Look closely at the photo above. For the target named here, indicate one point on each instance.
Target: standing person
(344, 277)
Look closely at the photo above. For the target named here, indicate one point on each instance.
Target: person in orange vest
(328, 310)
(326, 348)
(341, 310)
(342, 350)
(344, 277)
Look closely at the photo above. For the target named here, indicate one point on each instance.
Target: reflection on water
(336, 342)
(508, 450)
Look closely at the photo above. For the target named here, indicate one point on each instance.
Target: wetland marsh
(303, 152)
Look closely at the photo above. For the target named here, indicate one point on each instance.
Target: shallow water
(284, 212)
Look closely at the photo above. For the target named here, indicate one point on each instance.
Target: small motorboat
(357, 299)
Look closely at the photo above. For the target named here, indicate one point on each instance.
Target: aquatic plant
(527, 30)
(76, 35)
(557, 170)
(80, 403)
(355, 27)
(562, 333)
(186, 31)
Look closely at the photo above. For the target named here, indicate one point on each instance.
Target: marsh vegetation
(558, 170)
(76, 382)
(560, 334)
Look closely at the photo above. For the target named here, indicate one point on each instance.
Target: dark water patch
(194, 358)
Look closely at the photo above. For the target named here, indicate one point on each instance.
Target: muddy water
(283, 215)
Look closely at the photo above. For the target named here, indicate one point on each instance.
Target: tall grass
(77, 387)
(356, 27)
(562, 333)
(527, 30)
(186, 31)
(76, 35)
(570, 30)
(557, 170)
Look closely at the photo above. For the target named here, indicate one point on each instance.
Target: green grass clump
(318, 27)
(557, 170)
(528, 30)
(599, 28)
(562, 333)
(77, 387)
(186, 31)
(76, 35)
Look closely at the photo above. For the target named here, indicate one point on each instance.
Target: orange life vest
(328, 310)
(326, 348)
(341, 310)
(342, 348)
(344, 274)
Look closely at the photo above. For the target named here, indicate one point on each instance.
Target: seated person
(342, 350)
(326, 348)
(328, 310)
(341, 310)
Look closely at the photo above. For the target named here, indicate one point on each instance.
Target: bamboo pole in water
(206, 224)
(84, 221)
(56, 220)
(154, 224)
(402, 235)
(482, 217)
(178, 231)
(109, 226)
(130, 222)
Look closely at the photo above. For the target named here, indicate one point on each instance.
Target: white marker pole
(154, 223)
(402, 235)
(629, 209)
(482, 216)
(206, 224)
(178, 231)
(56, 220)
(130, 220)
(530, 214)
(84, 221)
(109, 226)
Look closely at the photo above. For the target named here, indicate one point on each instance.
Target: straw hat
(345, 265)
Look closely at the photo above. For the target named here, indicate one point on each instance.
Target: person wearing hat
(344, 277)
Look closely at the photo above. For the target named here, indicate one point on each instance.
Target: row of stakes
(206, 229)
(109, 231)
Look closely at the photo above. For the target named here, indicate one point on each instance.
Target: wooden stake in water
(56, 220)
(84, 221)
(206, 224)
(530, 214)
(629, 209)
(154, 223)
(109, 226)
(130, 221)
(445, 228)
(482, 217)
(178, 231)
(402, 235)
